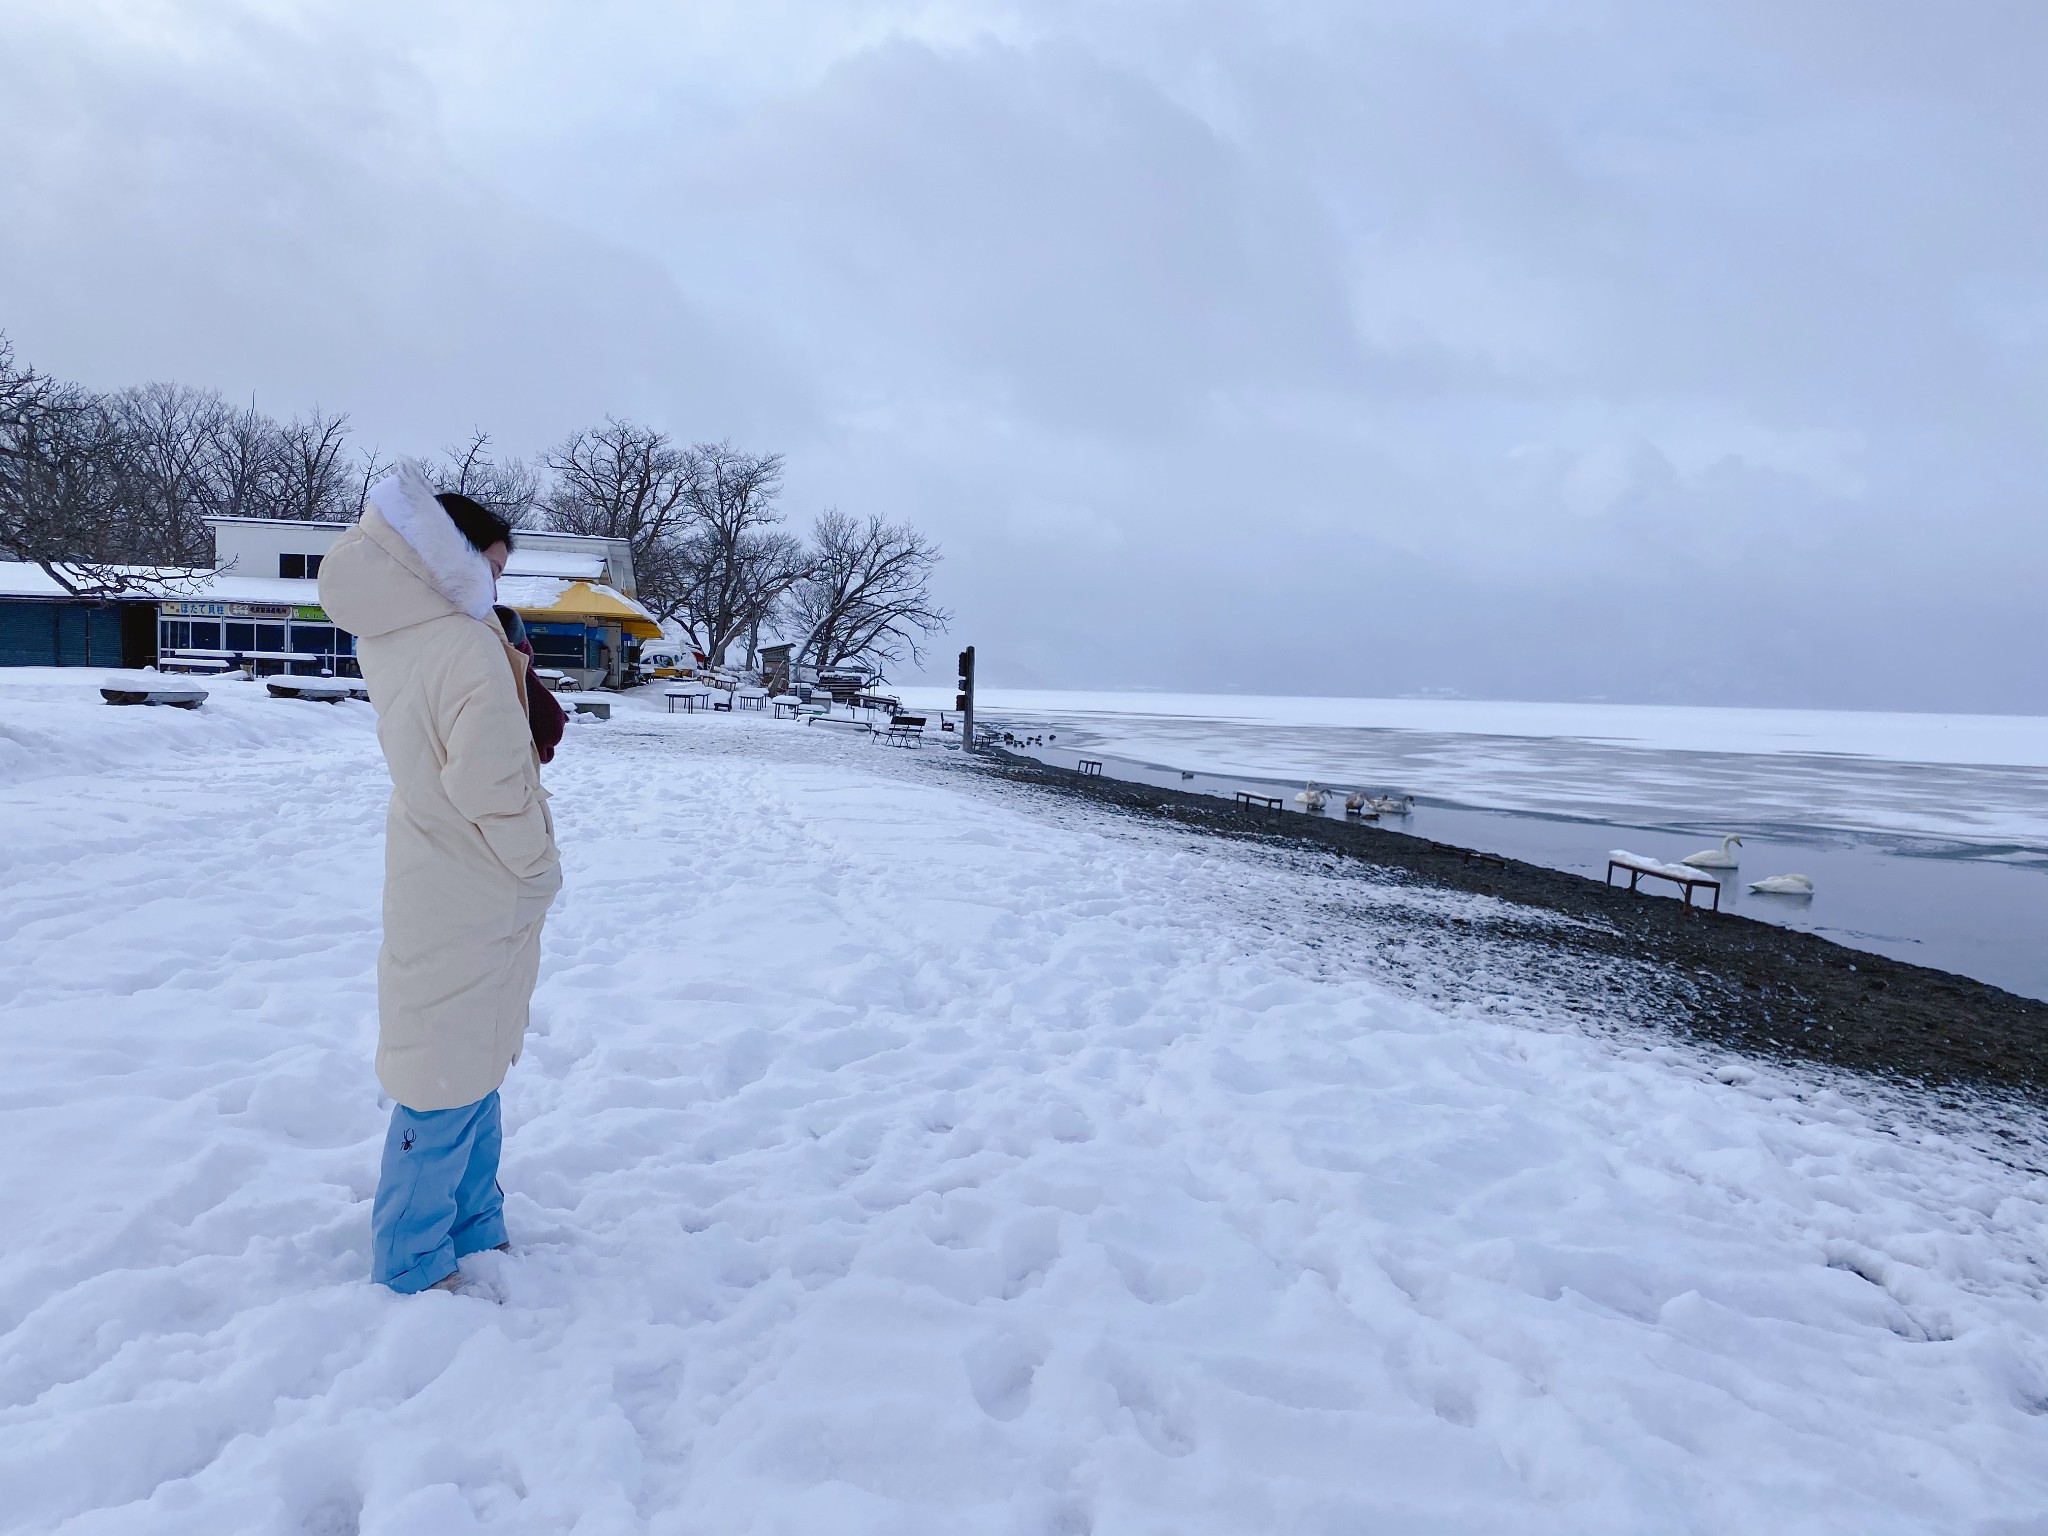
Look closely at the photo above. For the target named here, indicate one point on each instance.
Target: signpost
(964, 699)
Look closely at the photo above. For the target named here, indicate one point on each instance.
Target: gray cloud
(1692, 352)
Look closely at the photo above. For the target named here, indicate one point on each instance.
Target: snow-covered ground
(895, 1152)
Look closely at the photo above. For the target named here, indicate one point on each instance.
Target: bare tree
(867, 594)
(370, 467)
(312, 479)
(508, 488)
(735, 564)
(243, 471)
(626, 481)
(169, 439)
(62, 484)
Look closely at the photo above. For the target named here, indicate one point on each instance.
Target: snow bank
(896, 1154)
(53, 722)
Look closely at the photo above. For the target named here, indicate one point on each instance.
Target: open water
(1943, 863)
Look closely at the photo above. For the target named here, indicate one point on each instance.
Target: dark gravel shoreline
(1749, 986)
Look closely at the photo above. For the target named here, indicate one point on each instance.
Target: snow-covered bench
(905, 731)
(151, 688)
(327, 690)
(858, 727)
(1638, 865)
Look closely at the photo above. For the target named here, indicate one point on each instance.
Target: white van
(666, 659)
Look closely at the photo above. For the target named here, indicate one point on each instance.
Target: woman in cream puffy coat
(470, 865)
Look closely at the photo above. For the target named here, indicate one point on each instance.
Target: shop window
(241, 637)
(556, 650)
(317, 639)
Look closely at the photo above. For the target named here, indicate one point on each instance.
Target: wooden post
(964, 700)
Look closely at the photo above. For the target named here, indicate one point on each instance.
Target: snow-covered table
(689, 697)
(1683, 875)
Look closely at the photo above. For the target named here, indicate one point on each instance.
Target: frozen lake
(1926, 836)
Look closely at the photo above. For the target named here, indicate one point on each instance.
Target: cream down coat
(470, 865)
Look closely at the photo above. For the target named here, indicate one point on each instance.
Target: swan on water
(1354, 803)
(1391, 805)
(1715, 858)
(1783, 885)
(1310, 798)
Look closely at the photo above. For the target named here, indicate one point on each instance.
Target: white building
(261, 602)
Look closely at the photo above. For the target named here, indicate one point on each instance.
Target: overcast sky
(1687, 352)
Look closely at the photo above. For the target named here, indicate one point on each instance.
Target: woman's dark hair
(509, 621)
(479, 524)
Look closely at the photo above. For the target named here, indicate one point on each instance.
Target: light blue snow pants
(437, 1196)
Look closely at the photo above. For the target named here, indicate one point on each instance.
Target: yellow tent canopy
(576, 602)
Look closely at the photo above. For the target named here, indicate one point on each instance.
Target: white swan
(1312, 799)
(1354, 804)
(1391, 805)
(1715, 858)
(1783, 885)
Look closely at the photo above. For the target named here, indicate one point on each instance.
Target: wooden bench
(1091, 768)
(905, 731)
(688, 698)
(1639, 865)
(1260, 802)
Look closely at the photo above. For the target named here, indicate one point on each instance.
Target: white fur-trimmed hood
(458, 572)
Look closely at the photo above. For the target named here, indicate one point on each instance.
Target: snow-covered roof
(227, 587)
(543, 596)
(573, 565)
(19, 578)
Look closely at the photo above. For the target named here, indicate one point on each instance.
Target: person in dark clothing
(543, 710)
